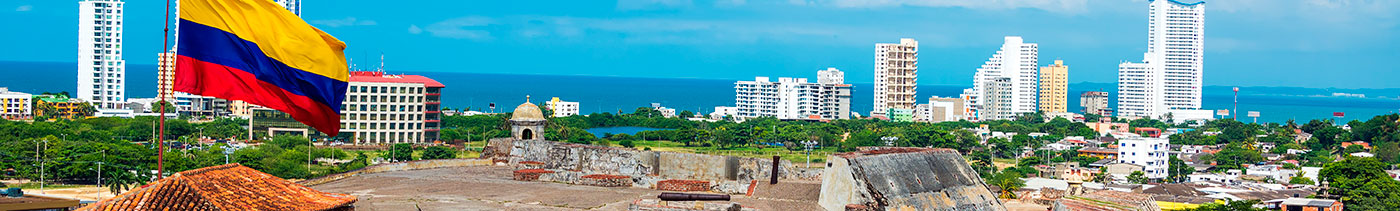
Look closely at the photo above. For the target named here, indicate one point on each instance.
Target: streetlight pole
(809, 144)
(41, 164)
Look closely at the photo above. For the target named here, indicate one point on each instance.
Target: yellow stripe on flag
(280, 34)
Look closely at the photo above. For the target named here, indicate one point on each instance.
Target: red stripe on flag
(214, 80)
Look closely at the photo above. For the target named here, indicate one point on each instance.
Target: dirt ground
(491, 188)
(1018, 205)
(81, 193)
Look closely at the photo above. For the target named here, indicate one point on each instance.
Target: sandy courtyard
(491, 188)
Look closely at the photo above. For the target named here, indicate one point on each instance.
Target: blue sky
(1297, 43)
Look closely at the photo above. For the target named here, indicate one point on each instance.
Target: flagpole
(160, 144)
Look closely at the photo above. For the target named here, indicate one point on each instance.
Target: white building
(795, 98)
(562, 108)
(665, 112)
(291, 5)
(896, 76)
(101, 69)
(383, 108)
(16, 105)
(1015, 62)
(1151, 153)
(724, 111)
(1169, 77)
(940, 109)
(993, 99)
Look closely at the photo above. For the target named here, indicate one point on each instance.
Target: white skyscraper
(292, 5)
(101, 70)
(1015, 67)
(1169, 78)
(896, 75)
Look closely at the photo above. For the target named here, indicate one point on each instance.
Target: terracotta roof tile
(226, 187)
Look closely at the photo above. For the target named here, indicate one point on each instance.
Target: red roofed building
(224, 187)
(1363, 144)
(378, 109)
(385, 109)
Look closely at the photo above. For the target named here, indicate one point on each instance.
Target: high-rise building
(562, 108)
(291, 5)
(16, 105)
(896, 76)
(995, 101)
(1095, 103)
(101, 69)
(795, 98)
(1169, 77)
(382, 108)
(1015, 63)
(1054, 87)
(378, 109)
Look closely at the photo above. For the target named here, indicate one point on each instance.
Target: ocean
(610, 94)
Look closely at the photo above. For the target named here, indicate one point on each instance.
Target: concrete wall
(839, 186)
(400, 166)
(908, 178)
(628, 162)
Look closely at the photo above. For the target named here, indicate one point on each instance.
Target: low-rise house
(1193, 149)
(1213, 177)
(1099, 152)
(1120, 171)
(1272, 171)
(1291, 204)
(1363, 144)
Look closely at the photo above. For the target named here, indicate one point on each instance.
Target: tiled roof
(365, 76)
(225, 187)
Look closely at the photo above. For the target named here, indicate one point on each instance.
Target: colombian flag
(260, 53)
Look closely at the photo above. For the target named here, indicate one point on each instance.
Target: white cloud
(652, 4)
(462, 28)
(413, 29)
(731, 3)
(347, 21)
(24, 8)
(1057, 6)
(647, 30)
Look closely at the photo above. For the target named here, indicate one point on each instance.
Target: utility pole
(41, 163)
(99, 168)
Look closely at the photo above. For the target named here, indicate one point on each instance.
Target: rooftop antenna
(381, 62)
(352, 64)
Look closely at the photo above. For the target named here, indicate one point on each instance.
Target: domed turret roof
(527, 112)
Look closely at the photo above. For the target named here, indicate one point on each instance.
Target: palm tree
(1009, 182)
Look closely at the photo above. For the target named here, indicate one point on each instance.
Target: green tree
(1177, 170)
(1388, 152)
(401, 152)
(1235, 155)
(1137, 177)
(1009, 181)
(1300, 180)
(627, 143)
(1362, 183)
(439, 152)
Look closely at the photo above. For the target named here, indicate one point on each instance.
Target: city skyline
(1347, 39)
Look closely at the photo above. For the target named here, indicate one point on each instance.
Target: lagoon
(599, 131)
